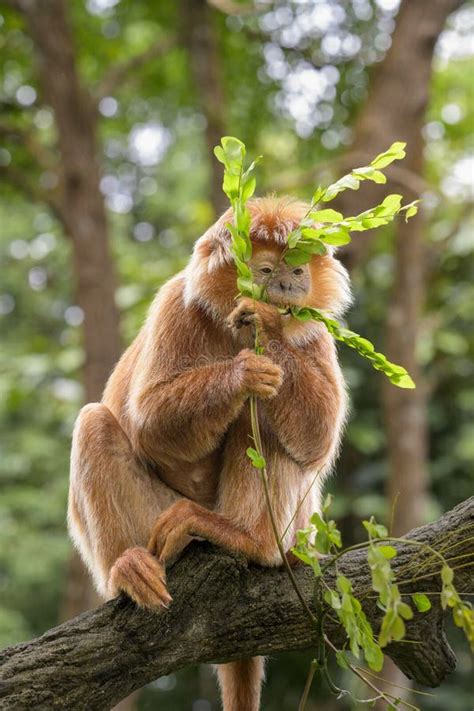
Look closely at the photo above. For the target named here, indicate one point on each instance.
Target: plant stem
(309, 680)
(263, 472)
(380, 693)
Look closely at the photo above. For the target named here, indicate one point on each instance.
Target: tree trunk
(82, 205)
(224, 609)
(83, 215)
(395, 109)
(199, 38)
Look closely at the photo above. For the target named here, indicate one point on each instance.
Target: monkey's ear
(215, 244)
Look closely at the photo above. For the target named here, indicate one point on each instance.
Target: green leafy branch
(239, 186)
(395, 373)
(320, 547)
(318, 230)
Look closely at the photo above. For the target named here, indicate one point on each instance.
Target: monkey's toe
(140, 576)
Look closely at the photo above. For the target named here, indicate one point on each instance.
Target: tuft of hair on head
(272, 219)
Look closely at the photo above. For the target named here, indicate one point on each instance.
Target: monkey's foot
(138, 574)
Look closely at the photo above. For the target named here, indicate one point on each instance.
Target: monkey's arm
(308, 411)
(184, 417)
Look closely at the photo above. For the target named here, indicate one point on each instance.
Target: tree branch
(118, 73)
(225, 609)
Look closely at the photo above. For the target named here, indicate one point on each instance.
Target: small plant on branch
(320, 545)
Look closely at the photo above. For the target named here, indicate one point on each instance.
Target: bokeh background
(109, 112)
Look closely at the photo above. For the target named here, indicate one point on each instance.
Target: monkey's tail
(140, 575)
(241, 684)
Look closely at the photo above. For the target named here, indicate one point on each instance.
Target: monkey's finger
(174, 546)
(267, 369)
(264, 391)
(161, 530)
(274, 374)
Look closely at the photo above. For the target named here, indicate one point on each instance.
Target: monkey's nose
(285, 286)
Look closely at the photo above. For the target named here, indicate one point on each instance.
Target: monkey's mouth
(284, 301)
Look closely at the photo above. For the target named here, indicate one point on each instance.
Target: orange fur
(162, 459)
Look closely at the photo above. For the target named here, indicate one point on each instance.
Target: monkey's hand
(252, 317)
(260, 375)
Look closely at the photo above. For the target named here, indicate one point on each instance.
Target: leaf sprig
(322, 538)
(319, 229)
(395, 373)
(239, 186)
(332, 228)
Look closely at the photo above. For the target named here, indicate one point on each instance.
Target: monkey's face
(285, 285)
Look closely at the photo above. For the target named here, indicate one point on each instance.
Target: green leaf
(248, 188)
(257, 460)
(326, 216)
(318, 194)
(248, 288)
(395, 152)
(219, 153)
(374, 656)
(421, 601)
(447, 574)
(369, 173)
(389, 205)
(293, 237)
(234, 149)
(374, 529)
(335, 236)
(347, 182)
(312, 246)
(341, 660)
(242, 269)
(343, 584)
(388, 552)
(327, 502)
(296, 257)
(405, 611)
(333, 599)
(403, 381)
(231, 185)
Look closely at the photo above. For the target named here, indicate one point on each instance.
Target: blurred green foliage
(291, 94)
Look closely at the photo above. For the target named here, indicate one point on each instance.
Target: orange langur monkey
(163, 457)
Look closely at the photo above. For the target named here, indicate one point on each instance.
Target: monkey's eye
(266, 270)
(297, 271)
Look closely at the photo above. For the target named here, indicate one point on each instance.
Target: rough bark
(224, 609)
(199, 38)
(399, 95)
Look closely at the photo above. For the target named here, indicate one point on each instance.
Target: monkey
(162, 458)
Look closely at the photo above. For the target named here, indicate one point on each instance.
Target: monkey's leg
(113, 502)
